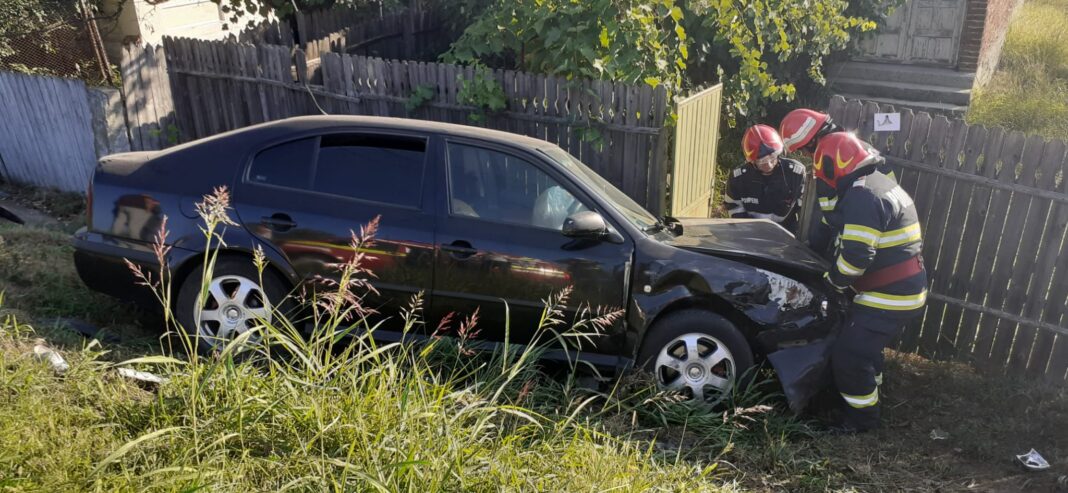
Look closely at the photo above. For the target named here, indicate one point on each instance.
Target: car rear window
(285, 165)
(383, 169)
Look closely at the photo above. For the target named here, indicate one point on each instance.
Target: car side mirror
(585, 224)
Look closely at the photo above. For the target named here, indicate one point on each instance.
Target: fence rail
(994, 208)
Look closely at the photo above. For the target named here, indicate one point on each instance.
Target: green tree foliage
(34, 31)
(622, 40)
(763, 49)
(760, 50)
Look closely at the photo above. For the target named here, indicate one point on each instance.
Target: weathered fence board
(994, 209)
(46, 132)
(147, 89)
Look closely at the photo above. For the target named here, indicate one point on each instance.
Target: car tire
(697, 353)
(236, 301)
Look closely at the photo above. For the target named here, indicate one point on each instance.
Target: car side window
(386, 169)
(496, 186)
(285, 165)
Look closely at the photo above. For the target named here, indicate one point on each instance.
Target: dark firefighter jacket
(878, 228)
(821, 237)
(776, 196)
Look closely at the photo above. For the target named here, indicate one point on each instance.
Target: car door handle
(278, 222)
(459, 249)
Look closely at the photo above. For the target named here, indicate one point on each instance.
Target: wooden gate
(696, 138)
(919, 31)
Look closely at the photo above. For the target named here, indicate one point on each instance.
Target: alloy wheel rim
(232, 306)
(696, 364)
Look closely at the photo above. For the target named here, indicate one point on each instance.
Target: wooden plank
(881, 140)
(899, 146)
(1013, 271)
(866, 126)
(131, 57)
(947, 271)
(853, 112)
(1038, 300)
(926, 196)
(962, 286)
(836, 107)
(918, 134)
(1028, 283)
(1011, 150)
(645, 103)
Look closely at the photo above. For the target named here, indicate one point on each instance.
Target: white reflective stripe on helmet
(790, 140)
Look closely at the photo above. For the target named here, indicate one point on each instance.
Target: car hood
(756, 239)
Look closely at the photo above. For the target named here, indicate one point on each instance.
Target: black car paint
(708, 267)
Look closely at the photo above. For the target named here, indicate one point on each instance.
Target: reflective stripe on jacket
(878, 228)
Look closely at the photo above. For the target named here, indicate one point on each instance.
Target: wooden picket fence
(408, 35)
(46, 133)
(617, 129)
(149, 107)
(994, 209)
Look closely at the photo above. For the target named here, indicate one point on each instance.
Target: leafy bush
(621, 40)
(760, 51)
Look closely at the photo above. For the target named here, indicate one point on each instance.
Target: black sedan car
(474, 218)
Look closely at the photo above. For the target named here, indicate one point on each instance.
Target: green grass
(316, 414)
(1029, 92)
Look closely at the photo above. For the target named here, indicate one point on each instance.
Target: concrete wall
(999, 14)
(145, 21)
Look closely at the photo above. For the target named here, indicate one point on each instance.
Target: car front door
(307, 197)
(500, 248)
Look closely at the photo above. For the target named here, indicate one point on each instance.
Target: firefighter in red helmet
(802, 130)
(878, 259)
(767, 185)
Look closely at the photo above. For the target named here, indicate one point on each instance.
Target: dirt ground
(946, 428)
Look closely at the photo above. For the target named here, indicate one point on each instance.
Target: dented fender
(773, 309)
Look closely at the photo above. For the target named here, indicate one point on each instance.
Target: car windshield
(631, 210)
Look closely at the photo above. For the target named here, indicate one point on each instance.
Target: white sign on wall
(887, 122)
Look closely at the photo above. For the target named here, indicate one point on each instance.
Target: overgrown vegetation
(761, 51)
(1029, 92)
(50, 37)
(354, 415)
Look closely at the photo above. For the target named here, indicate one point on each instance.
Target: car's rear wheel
(697, 353)
(235, 303)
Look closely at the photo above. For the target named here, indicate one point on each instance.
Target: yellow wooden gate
(696, 138)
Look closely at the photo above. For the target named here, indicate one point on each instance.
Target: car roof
(322, 122)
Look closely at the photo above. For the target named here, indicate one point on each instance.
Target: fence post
(302, 30)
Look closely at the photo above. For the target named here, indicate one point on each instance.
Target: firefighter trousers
(857, 363)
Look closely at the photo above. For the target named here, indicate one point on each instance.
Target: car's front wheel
(236, 301)
(698, 354)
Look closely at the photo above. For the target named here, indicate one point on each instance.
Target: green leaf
(676, 14)
(652, 81)
(604, 37)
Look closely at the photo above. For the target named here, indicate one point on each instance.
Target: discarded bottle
(45, 353)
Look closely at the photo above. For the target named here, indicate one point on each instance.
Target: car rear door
(306, 197)
(499, 244)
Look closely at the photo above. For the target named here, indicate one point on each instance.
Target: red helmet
(801, 128)
(840, 154)
(761, 141)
